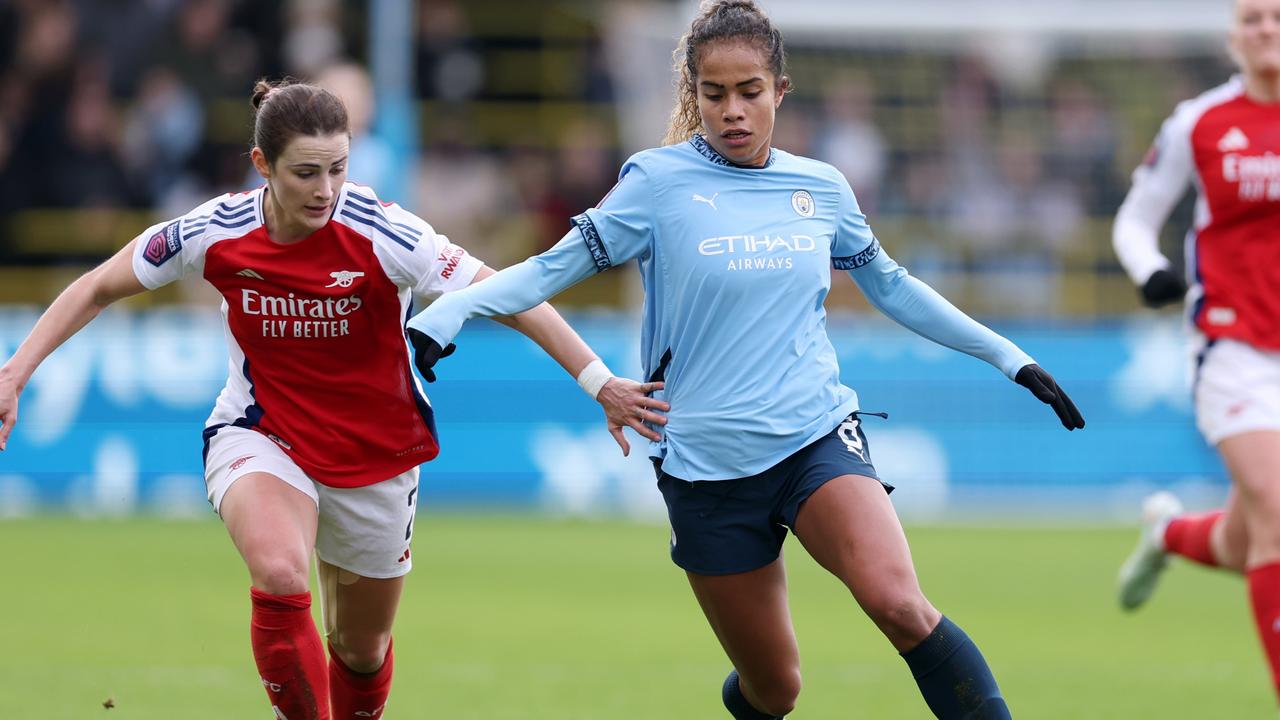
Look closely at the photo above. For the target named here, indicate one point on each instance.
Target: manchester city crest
(802, 203)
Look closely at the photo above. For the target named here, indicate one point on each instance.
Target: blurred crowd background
(989, 169)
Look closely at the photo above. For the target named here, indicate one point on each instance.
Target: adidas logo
(250, 274)
(1235, 139)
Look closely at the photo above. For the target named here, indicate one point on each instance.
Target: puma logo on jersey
(344, 278)
(1234, 140)
(710, 201)
(250, 274)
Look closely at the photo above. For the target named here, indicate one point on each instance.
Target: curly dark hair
(719, 20)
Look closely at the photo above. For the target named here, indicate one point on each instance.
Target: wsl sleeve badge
(163, 245)
(802, 203)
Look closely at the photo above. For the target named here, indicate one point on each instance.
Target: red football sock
(1264, 592)
(351, 692)
(1188, 536)
(290, 658)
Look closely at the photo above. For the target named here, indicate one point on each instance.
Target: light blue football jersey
(736, 263)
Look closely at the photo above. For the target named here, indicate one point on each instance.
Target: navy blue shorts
(721, 527)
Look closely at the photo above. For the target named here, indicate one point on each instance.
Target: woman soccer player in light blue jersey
(735, 242)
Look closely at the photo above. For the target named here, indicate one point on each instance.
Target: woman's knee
(1262, 512)
(776, 695)
(279, 573)
(1229, 542)
(905, 617)
(362, 653)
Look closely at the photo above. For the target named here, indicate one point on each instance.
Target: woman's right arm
(510, 291)
(1158, 184)
(72, 310)
(618, 230)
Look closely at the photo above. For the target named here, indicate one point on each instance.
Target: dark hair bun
(261, 90)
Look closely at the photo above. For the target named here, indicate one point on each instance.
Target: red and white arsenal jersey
(1228, 146)
(319, 359)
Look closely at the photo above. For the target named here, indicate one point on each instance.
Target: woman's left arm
(626, 402)
(919, 308)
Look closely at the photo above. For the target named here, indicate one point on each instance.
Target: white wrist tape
(593, 377)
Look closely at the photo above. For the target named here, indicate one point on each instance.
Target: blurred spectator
(1083, 145)
(449, 66)
(923, 191)
(372, 160)
(848, 138)
(205, 53)
(162, 132)
(794, 130)
(1010, 203)
(585, 167)
(85, 168)
(312, 41)
(467, 195)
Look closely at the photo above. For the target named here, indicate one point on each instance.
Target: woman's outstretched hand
(1046, 389)
(426, 352)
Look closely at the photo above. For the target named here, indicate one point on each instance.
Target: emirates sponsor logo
(1258, 176)
(253, 302)
(300, 317)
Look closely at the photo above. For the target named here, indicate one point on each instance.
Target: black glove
(1045, 388)
(1162, 288)
(426, 352)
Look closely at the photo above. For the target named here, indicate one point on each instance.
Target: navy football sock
(953, 676)
(737, 703)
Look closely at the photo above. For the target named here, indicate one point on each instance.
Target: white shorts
(1237, 390)
(363, 530)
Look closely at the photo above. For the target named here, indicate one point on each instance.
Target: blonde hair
(718, 20)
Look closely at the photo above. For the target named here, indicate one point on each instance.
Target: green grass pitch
(524, 618)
